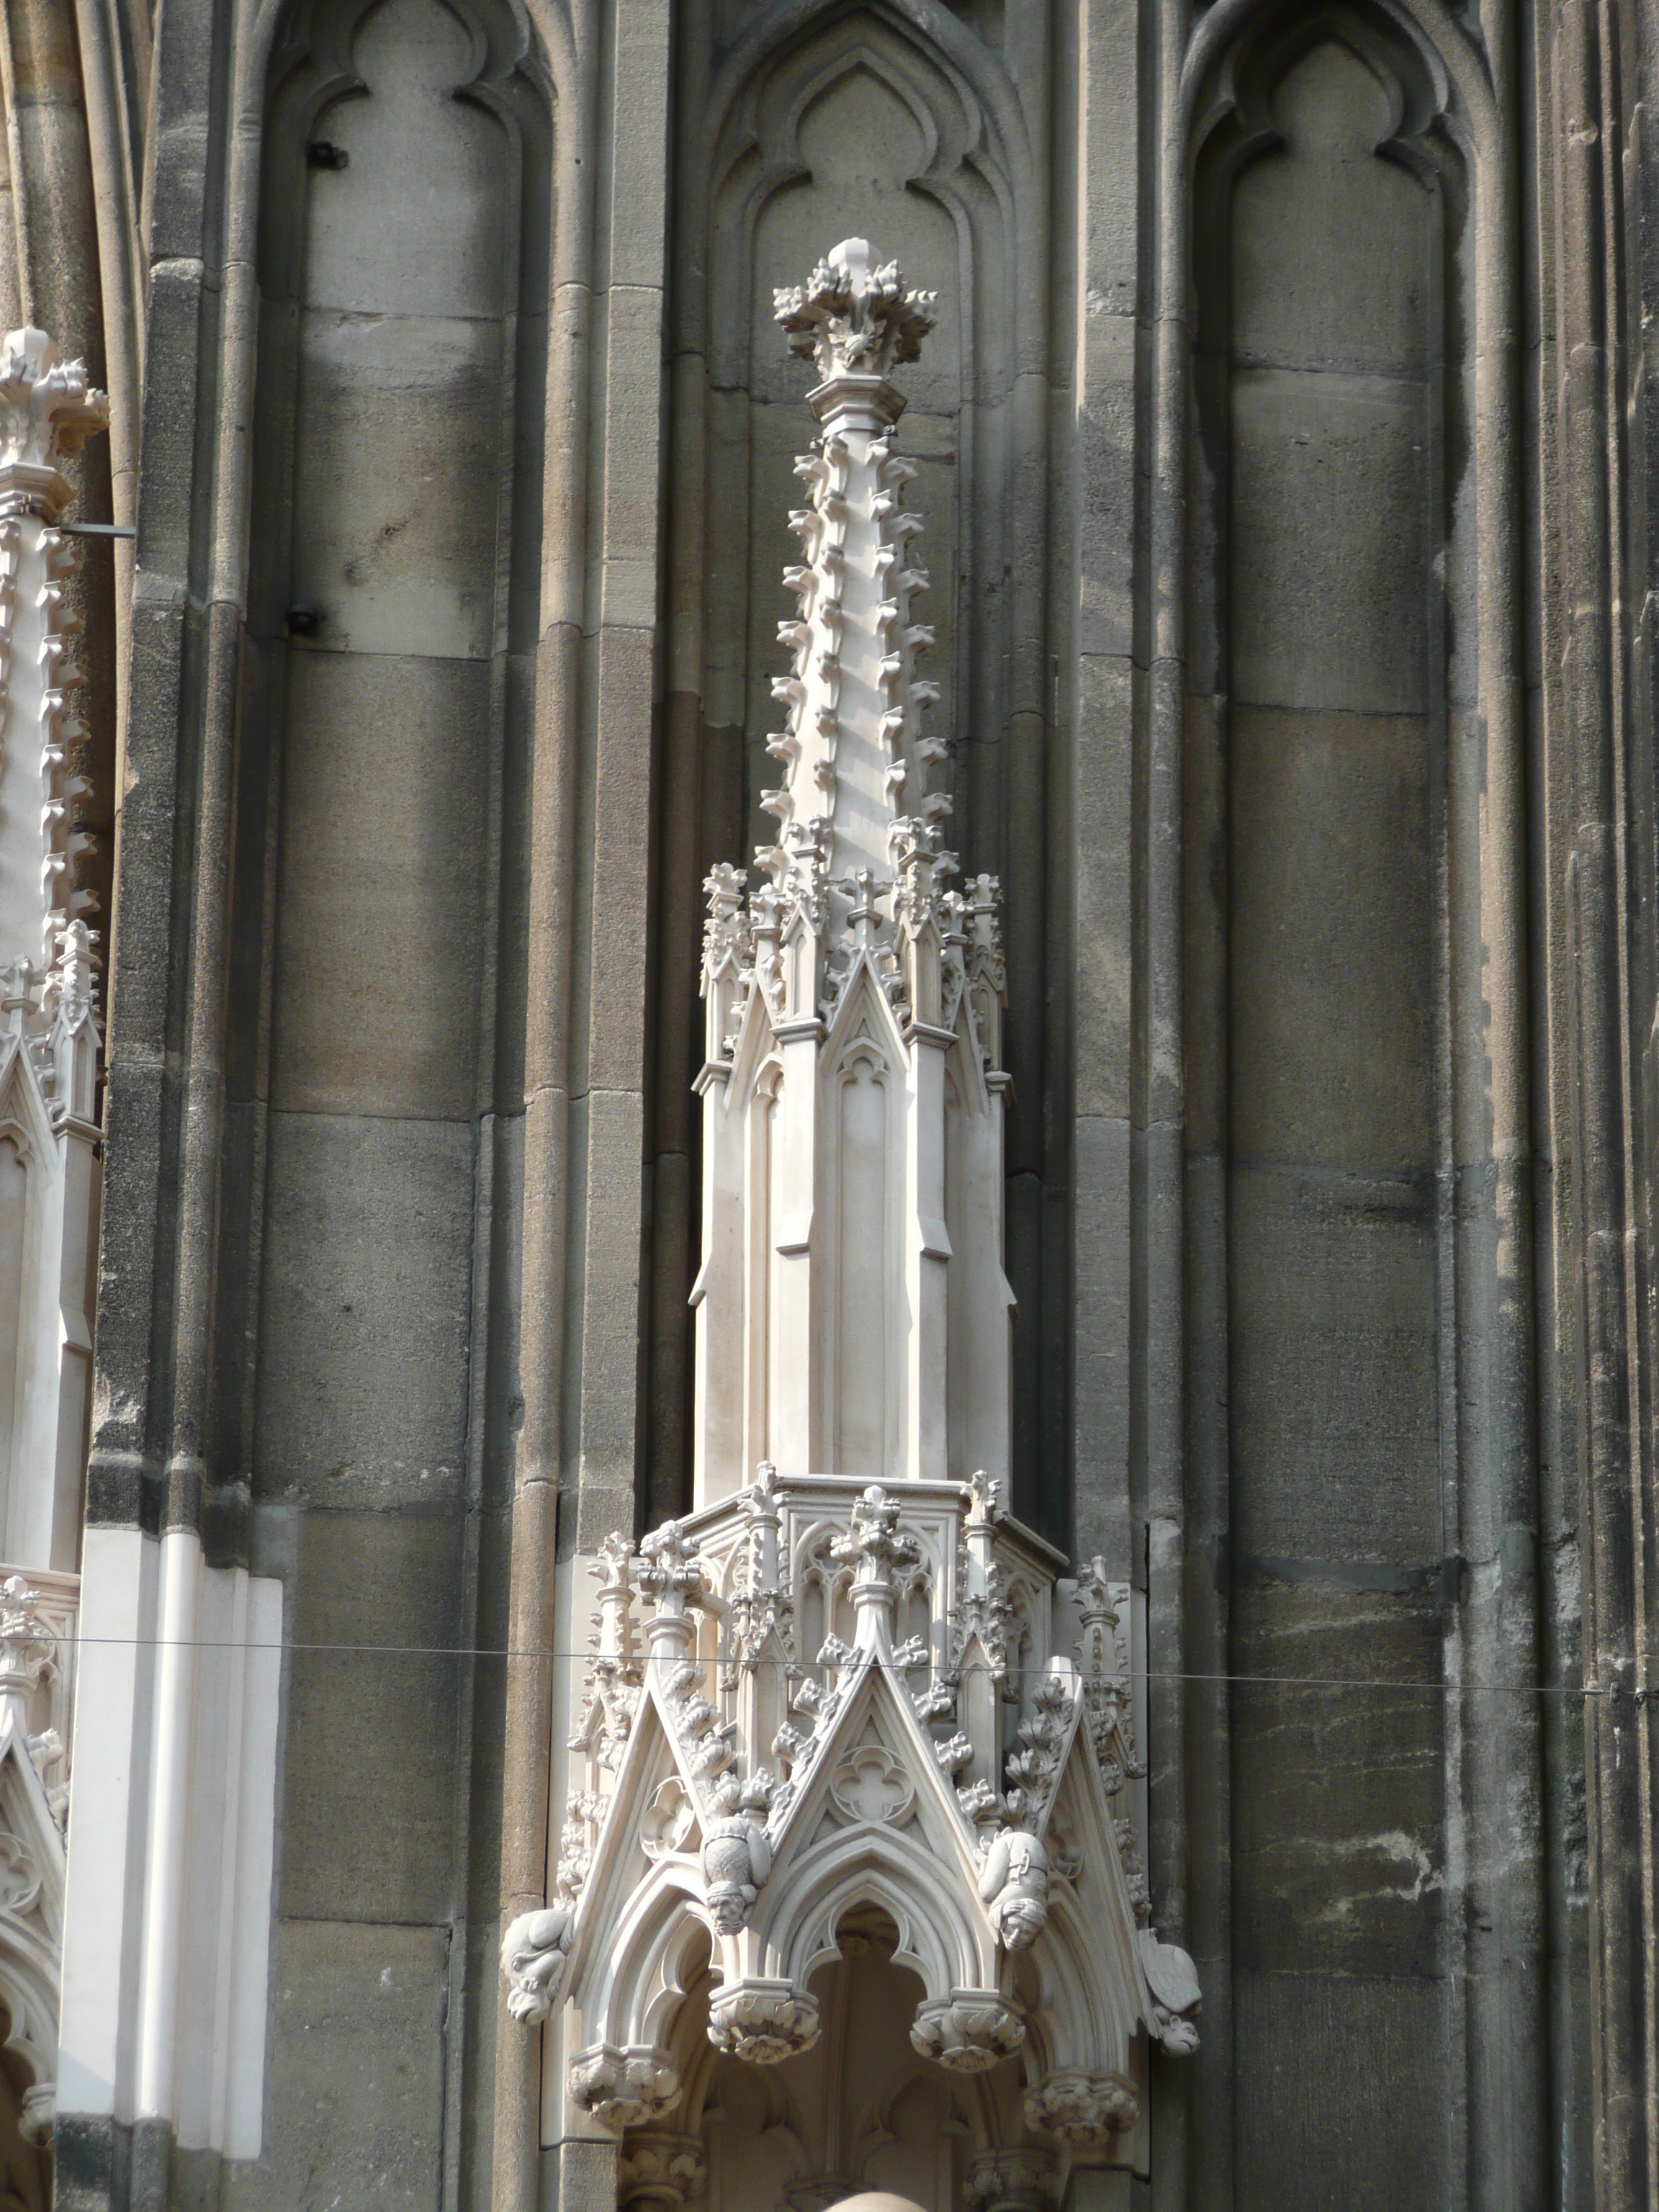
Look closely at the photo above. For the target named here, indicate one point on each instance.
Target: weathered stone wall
(1288, 696)
(1319, 1075)
(376, 1098)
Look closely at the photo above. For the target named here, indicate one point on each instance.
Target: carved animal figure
(534, 1953)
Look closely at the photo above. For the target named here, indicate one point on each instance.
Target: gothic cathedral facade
(828, 1106)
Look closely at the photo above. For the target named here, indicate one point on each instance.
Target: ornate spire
(851, 982)
(855, 1686)
(852, 748)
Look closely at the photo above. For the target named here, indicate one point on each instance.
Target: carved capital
(969, 2030)
(1083, 2111)
(763, 2021)
(1021, 2180)
(630, 2088)
(660, 2171)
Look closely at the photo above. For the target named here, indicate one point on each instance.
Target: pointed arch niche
(860, 2110)
(405, 229)
(1359, 1384)
(801, 124)
(375, 1021)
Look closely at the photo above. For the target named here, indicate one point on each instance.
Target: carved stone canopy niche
(853, 1693)
(821, 1698)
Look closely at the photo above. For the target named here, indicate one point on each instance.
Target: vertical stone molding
(50, 1042)
(49, 1029)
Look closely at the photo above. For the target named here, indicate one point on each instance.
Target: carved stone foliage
(763, 2021)
(630, 2088)
(1017, 2180)
(969, 2030)
(1083, 2111)
(50, 1042)
(660, 2170)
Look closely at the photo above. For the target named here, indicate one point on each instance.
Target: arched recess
(861, 2110)
(375, 1011)
(1357, 1380)
(404, 228)
(802, 123)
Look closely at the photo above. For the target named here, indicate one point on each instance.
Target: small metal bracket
(323, 154)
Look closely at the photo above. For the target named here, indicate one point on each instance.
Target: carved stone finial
(851, 319)
(875, 1546)
(667, 1572)
(47, 409)
(27, 1648)
(1095, 1596)
(986, 1500)
(613, 1569)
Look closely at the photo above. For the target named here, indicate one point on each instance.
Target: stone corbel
(763, 2021)
(535, 1951)
(630, 2089)
(660, 2171)
(970, 2031)
(1022, 2181)
(1173, 1980)
(1083, 2111)
(1014, 1887)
